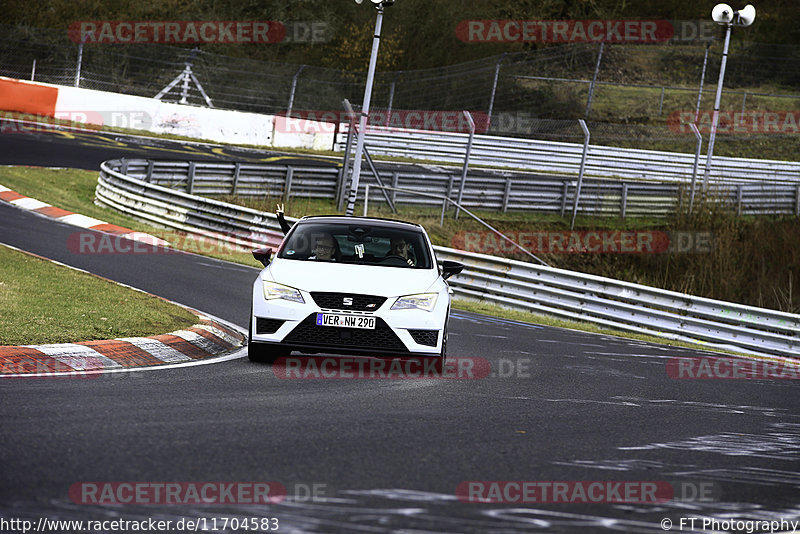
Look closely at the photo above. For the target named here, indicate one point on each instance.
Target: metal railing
(515, 284)
(518, 191)
(557, 157)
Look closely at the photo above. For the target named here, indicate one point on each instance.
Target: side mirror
(263, 255)
(449, 268)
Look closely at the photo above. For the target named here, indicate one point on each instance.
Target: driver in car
(324, 248)
(400, 247)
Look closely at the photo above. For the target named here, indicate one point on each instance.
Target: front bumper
(292, 325)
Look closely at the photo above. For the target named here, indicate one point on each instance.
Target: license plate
(345, 321)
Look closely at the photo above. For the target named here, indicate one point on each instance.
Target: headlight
(422, 301)
(273, 290)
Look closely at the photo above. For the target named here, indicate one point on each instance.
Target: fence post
(78, 66)
(594, 81)
(294, 86)
(33, 70)
(391, 97)
(702, 81)
(348, 146)
(624, 200)
(494, 90)
(190, 178)
(661, 102)
(236, 170)
(586, 136)
(468, 115)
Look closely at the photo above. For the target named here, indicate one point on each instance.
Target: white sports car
(351, 285)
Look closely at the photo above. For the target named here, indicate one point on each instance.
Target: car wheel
(265, 352)
(262, 352)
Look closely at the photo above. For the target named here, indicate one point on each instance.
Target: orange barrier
(27, 97)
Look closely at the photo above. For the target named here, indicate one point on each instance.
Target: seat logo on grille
(347, 301)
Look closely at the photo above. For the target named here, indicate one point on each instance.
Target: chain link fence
(636, 96)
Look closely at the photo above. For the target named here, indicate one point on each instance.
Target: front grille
(425, 337)
(267, 326)
(335, 301)
(381, 338)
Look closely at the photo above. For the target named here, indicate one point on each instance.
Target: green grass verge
(43, 302)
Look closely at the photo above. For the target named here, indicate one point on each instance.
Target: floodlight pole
(362, 122)
(715, 116)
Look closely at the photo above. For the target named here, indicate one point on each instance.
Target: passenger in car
(324, 248)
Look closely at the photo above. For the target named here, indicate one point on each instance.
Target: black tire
(265, 352)
(262, 352)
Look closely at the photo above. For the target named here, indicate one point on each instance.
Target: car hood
(350, 278)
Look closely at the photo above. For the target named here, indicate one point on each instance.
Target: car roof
(369, 221)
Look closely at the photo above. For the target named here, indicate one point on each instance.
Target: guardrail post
(739, 195)
(124, 166)
(797, 201)
(624, 200)
(507, 194)
(395, 182)
(564, 193)
(150, 167)
(236, 170)
(190, 178)
(661, 102)
(696, 163)
(447, 196)
(287, 188)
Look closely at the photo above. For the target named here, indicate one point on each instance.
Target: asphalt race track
(385, 455)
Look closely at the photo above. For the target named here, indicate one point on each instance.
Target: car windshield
(362, 244)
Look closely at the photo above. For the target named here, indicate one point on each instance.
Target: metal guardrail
(531, 192)
(537, 288)
(549, 156)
